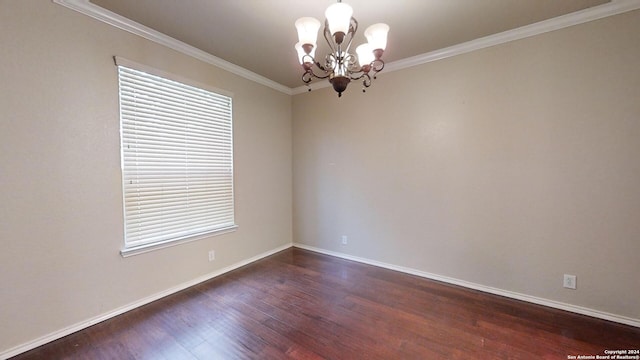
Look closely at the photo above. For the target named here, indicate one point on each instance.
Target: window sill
(141, 249)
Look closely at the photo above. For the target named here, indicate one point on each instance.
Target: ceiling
(259, 35)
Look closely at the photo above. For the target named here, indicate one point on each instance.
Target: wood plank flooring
(303, 305)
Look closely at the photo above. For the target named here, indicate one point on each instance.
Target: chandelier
(340, 66)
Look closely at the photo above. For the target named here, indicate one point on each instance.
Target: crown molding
(614, 7)
(87, 8)
(579, 17)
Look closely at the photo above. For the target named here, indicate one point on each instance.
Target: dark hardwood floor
(303, 305)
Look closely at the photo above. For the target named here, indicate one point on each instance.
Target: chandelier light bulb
(376, 35)
(365, 54)
(339, 18)
(307, 30)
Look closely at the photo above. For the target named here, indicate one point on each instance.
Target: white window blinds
(177, 159)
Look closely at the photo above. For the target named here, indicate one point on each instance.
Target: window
(177, 160)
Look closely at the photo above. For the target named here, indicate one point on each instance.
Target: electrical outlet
(569, 281)
(212, 255)
(344, 240)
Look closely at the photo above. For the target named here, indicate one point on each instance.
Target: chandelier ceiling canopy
(340, 66)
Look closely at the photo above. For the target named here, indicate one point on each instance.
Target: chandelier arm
(326, 75)
(307, 77)
(308, 59)
(367, 81)
(351, 61)
(377, 65)
(309, 70)
(308, 66)
(353, 27)
(358, 77)
(319, 66)
(328, 38)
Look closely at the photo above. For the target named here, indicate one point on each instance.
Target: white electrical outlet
(569, 281)
(344, 240)
(212, 255)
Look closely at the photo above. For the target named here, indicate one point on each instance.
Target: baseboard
(113, 313)
(488, 289)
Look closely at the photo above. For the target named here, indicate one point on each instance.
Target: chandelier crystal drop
(340, 66)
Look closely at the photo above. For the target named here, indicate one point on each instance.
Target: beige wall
(506, 167)
(61, 224)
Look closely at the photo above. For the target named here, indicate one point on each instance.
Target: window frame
(134, 249)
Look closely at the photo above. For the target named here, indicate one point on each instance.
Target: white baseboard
(92, 321)
(488, 289)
